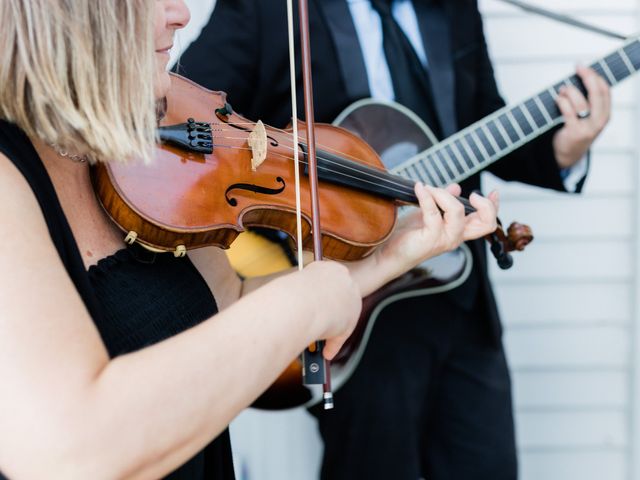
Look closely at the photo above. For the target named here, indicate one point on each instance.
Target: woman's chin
(162, 86)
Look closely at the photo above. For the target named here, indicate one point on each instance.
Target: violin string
(284, 141)
(401, 190)
(383, 181)
(283, 132)
(290, 146)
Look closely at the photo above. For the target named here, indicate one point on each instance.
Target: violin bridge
(258, 143)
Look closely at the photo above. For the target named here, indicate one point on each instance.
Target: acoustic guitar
(409, 148)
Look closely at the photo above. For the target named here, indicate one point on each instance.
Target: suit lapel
(436, 36)
(347, 46)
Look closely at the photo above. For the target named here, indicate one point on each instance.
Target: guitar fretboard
(490, 139)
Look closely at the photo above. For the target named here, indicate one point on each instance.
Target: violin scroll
(518, 236)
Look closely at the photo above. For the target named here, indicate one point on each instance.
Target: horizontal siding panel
(566, 261)
(571, 217)
(570, 390)
(562, 347)
(576, 44)
(604, 429)
(581, 304)
(621, 132)
(610, 174)
(590, 465)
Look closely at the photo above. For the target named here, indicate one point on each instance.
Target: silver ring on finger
(583, 114)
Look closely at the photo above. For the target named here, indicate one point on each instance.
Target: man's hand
(584, 119)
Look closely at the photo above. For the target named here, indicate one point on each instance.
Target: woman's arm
(438, 226)
(82, 415)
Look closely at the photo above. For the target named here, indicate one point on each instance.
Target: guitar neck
(486, 141)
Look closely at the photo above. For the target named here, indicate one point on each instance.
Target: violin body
(186, 200)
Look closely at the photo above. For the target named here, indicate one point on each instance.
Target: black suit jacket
(243, 50)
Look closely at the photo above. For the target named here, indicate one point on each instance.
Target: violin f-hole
(253, 188)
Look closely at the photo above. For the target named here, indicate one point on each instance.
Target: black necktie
(410, 79)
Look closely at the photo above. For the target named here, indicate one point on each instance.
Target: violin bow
(315, 368)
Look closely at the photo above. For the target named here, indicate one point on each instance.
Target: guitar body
(396, 134)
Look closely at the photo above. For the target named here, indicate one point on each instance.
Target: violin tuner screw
(131, 238)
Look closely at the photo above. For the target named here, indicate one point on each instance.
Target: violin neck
(335, 169)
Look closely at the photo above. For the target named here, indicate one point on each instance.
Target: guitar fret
(425, 174)
(486, 143)
(422, 173)
(543, 109)
(553, 93)
(513, 123)
(535, 113)
(500, 135)
(529, 118)
(626, 60)
(633, 53)
(447, 169)
(465, 145)
(463, 153)
(439, 177)
(522, 122)
(414, 174)
(425, 166)
(458, 166)
(457, 152)
(549, 104)
(505, 123)
(405, 171)
(617, 66)
(439, 172)
(478, 142)
(491, 138)
(607, 72)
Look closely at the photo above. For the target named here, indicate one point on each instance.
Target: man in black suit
(431, 397)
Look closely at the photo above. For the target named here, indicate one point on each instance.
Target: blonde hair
(80, 74)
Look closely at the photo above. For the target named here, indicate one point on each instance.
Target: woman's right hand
(334, 298)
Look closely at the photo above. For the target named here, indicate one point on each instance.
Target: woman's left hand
(438, 226)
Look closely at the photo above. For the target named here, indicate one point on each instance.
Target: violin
(217, 176)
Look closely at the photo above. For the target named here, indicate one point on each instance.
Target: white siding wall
(570, 302)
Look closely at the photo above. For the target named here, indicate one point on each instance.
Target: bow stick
(315, 368)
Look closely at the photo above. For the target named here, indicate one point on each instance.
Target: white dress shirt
(369, 29)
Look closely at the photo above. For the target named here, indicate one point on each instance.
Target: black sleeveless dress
(135, 298)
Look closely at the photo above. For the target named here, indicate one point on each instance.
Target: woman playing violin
(116, 362)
